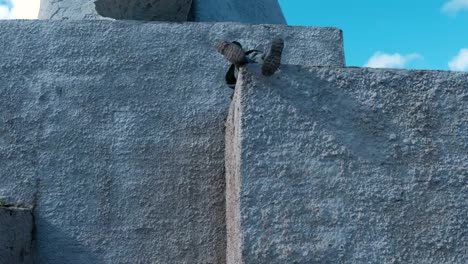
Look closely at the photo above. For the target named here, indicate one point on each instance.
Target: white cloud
(21, 9)
(459, 62)
(396, 60)
(453, 6)
(4, 12)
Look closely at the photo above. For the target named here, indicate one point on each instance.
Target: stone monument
(256, 12)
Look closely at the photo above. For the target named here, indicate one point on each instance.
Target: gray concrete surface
(256, 12)
(16, 229)
(115, 130)
(149, 10)
(233, 176)
(348, 165)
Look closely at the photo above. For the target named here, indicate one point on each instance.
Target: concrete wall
(149, 10)
(256, 12)
(115, 131)
(335, 165)
(16, 229)
(165, 10)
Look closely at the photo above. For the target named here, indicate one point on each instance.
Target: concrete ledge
(117, 128)
(16, 227)
(330, 165)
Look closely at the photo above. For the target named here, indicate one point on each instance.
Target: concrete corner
(348, 165)
(16, 228)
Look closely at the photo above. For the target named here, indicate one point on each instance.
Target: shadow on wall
(147, 10)
(65, 248)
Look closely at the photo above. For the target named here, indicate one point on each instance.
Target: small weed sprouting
(5, 204)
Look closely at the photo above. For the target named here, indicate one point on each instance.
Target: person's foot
(273, 59)
(232, 51)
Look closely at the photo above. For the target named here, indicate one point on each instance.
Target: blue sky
(19, 9)
(415, 34)
(5, 2)
(427, 34)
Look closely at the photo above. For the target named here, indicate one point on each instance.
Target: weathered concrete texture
(165, 10)
(256, 12)
(233, 176)
(16, 228)
(149, 10)
(349, 166)
(116, 129)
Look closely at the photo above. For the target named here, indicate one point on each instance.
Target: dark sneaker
(273, 59)
(232, 51)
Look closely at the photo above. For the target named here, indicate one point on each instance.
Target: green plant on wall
(5, 204)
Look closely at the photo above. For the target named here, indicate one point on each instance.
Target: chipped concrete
(348, 165)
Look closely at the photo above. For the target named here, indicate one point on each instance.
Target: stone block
(348, 165)
(116, 129)
(255, 12)
(16, 229)
(148, 10)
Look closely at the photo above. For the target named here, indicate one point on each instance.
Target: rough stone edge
(232, 165)
(233, 160)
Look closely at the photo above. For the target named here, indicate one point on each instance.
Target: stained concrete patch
(117, 130)
(329, 165)
(16, 228)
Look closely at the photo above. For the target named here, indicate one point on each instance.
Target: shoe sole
(232, 52)
(273, 61)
